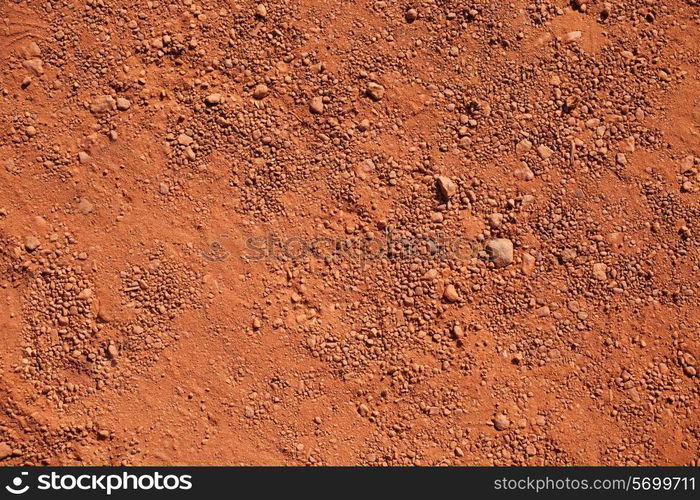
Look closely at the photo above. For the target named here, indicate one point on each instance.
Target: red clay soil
(349, 232)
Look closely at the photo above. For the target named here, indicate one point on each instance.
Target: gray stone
(500, 251)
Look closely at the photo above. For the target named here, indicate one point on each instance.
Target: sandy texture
(349, 232)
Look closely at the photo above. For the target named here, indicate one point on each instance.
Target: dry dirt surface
(354, 232)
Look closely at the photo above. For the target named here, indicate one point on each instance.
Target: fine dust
(349, 232)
